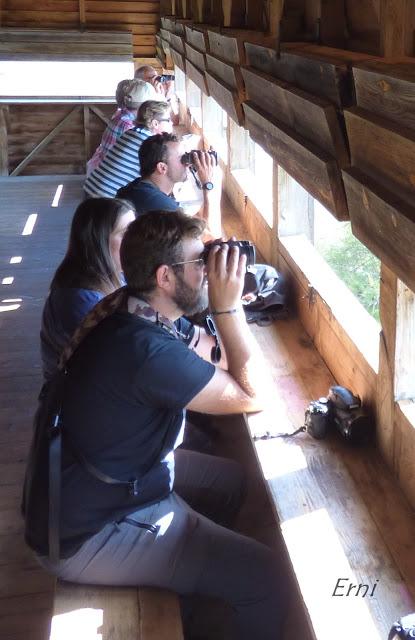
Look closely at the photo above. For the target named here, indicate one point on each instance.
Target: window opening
(215, 126)
(337, 265)
(194, 101)
(252, 167)
(180, 84)
(62, 78)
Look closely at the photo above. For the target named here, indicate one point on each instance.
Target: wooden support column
(234, 13)
(167, 7)
(82, 14)
(275, 9)
(386, 375)
(4, 147)
(87, 134)
(275, 214)
(397, 23)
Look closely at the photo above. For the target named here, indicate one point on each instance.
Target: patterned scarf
(120, 299)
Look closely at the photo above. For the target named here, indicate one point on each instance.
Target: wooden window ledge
(344, 520)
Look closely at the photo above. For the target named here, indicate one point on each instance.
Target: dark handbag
(267, 288)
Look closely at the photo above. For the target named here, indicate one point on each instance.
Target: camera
(316, 418)
(342, 410)
(403, 629)
(165, 77)
(187, 158)
(246, 248)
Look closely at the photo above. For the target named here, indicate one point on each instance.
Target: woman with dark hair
(90, 270)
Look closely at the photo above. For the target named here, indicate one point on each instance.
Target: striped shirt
(119, 167)
(121, 121)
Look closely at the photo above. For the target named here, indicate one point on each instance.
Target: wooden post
(385, 405)
(397, 22)
(405, 343)
(233, 13)
(4, 148)
(87, 136)
(275, 9)
(82, 14)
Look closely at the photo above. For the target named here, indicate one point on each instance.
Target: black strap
(270, 436)
(55, 471)
(132, 484)
(55, 455)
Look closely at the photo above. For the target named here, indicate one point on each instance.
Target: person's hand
(169, 89)
(226, 274)
(157, 85)
(204, 164)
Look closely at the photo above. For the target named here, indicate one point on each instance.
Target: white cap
(141, 92)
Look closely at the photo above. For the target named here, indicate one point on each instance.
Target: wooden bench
(88, 612)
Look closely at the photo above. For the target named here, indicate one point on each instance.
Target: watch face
(208, 186)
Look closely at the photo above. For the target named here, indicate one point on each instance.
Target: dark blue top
(63, 312)
(145, 197)
(124, 397)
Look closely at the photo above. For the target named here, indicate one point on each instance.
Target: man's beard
(190, 300)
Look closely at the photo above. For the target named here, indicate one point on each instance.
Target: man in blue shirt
(161, 164)
(127, 386)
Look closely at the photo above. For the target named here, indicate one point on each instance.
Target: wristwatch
(207, 186)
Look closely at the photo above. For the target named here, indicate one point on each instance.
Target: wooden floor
(25, 590)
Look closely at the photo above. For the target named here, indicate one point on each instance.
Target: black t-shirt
(125, 391)
(146, 197)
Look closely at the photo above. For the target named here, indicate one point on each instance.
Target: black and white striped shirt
(119, 166)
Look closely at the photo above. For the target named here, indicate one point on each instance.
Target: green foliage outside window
(356, 266)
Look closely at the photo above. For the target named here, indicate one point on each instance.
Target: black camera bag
(268, 289)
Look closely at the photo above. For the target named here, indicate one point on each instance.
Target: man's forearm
(246, 363)
(211, 214)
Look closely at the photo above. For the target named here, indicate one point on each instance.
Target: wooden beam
(383, 150)
(197, 76)
(4, 149)
(385, 405)
(87, 134)
(82, 14)
(274, 9)
(387, 89)
(313, 168)
(383, 221)
(234, 12)
(396, 27)
(313, 118)
(99, 113)
(45, 141)
(404, 387)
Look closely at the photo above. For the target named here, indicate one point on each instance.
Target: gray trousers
(190, 553)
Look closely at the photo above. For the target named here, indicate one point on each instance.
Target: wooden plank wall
(291, 100)
(68, 151)
(138, 16)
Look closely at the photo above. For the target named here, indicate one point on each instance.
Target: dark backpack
(268, 290)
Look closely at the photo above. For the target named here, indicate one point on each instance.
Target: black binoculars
(187, 158)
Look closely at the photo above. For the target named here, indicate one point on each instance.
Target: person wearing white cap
(130, 94)
(121, 164)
